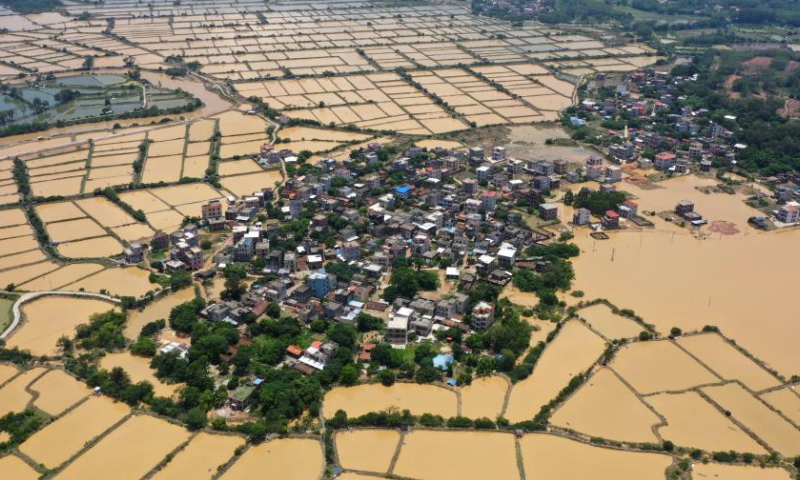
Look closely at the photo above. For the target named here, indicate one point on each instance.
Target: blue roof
(442, 361)
(402, 190)
(452, 382)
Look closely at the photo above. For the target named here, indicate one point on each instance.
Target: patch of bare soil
(724, 228)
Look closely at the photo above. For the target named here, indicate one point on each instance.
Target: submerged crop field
(365, 240)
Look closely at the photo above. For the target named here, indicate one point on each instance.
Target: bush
(459, 422)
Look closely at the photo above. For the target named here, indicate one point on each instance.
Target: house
(211, 211)
(506, 256)
(482, 315)
(397, 330)
(788, 213)
(548, 211)
(320, 283)
(239, 399)
(581, 216)
(610, 220)
(134, 253)
(683, 207)
(628, 209)
(665, 160)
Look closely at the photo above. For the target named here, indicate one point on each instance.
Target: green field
(5, 313)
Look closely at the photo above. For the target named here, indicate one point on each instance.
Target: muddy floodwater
(200, 459)
(357, 401)
(677, 280)
(49, 318)
(484, 397)
(13, 467)
(573, 351)
(285, 458)
(763, 422)
(157, 310)
(728, 362)
(737, 472)
(605, 407)
(13, 396)
(440, 455)
(693, 422)
(547, 457)
(367, 450)
(60, 440)
(58, 391)
(128, 452)
(785, 400)
(138, 368)
(660, 366)
(610, 326)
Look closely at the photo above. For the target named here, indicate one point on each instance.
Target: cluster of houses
(687, 141)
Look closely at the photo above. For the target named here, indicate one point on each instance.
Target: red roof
(316, 344)
(611, 214)
(665, 155)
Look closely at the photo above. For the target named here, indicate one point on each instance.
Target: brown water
(728, 362)
(60, 440)
(6, 372)
(118, 281)
(12, 467)
(63, 276)
(49, 318)
(692, 422)
(243, 185)
(357, 401)
(58, 391)
(157, 310)
(605, 407)
(286, 458)
(610, 326)
(676, 280)
(367, 450)
(787, 401)
(737, 472)
(440, 455)
(128, 452)
(548, 457)
(200, 459)
(138, 368)
(659, 366)
(572, 352)
(484, 397)
(766, 424)
(13, 396)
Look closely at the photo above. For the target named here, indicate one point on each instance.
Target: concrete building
(548, 211)
(581, 216)
(320, 283)
(482, 316)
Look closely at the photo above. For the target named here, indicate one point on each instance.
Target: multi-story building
(320, 283)
(482, 316)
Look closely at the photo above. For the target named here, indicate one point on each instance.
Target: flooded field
(59, 441)
(484, 397)
(289, 458)
(659, 366)
(787, 401)
(367, 450)
(128, 452)
(737, 472)
(58, 391)
(610, 326)
(63, 276)
(693, 422)
(200, 459)
(305, 133)
(765, 423)
(605, 407)
(6, 372)
(357, 401)
(49, 318)
(728, 362)
(13, 396)
(138, 368)
(159, 309)
(548, 457)
(707, 281)
(13, 467)
(439, 455)
(572, 352)
(243, 185)
(117, 281)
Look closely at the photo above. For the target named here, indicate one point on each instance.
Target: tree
(367, 323)
(569, 197)
(348, 376)
(386, 377)
(273, 310)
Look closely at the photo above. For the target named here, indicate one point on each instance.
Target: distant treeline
(32, 6)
